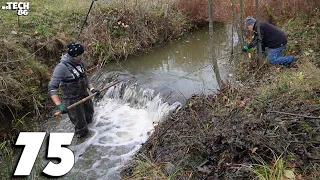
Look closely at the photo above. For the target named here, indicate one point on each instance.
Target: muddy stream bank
(126, 115)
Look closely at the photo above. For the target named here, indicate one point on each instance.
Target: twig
(292, 114)
(203, 163)
(89, 70)
(164, 131)
(305, 142)
(165, 99)
(198, 123)
(182, 94)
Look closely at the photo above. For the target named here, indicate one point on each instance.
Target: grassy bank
(263, 126)
(32, 45)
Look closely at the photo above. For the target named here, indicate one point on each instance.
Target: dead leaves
(235, 103)
(254, 150)
(289, 174)
(311, 101)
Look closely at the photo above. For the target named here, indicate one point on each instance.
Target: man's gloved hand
(245, 48)
(93, 90)
(63, 108)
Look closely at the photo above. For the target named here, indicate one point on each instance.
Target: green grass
(30, 47)
(264, 171)
(146, 169)
(303, 34)
(294, 84)
(6, 159)
(46, 18)
(54, 23)
(9, 159)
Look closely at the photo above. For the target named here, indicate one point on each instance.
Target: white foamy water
(121, 124)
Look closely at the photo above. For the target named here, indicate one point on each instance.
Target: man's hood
(67, 58)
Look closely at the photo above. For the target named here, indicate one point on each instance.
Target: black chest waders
(73, 91)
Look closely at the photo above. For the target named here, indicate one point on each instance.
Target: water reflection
(163, 68)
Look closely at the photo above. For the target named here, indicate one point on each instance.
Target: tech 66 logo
(21, 7)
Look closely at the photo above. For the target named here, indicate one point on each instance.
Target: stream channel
(123, 121)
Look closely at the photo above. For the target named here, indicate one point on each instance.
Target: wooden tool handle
(87, 98)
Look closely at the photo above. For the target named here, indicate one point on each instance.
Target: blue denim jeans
(275, 58)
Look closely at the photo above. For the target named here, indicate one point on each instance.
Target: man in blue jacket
(70, 76)
(272, 38)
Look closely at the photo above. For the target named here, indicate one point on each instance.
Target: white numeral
(56, 151)
(32, 142)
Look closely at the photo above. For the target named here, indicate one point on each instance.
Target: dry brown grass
(29, 52)
(21, 80)
(117, 32)
(197, 10)
(10, 87)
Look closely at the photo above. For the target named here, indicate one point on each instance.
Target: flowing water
(119, 128)
(181, 68)
(125, 117)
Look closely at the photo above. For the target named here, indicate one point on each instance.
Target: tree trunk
(233, 19)
(214, 60)
(259, 33)
(240, 26)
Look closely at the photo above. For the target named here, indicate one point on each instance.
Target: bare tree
(214, 60)
(259, 32)
(232, 25)
(240, 26)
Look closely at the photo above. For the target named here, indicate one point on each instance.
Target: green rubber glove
(63, 108)
(245, 48)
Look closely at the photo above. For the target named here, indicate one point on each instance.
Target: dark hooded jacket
(271, 36)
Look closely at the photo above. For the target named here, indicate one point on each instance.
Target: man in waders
(272, 38)
(70, 76)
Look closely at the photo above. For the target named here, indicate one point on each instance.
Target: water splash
(124, 119)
